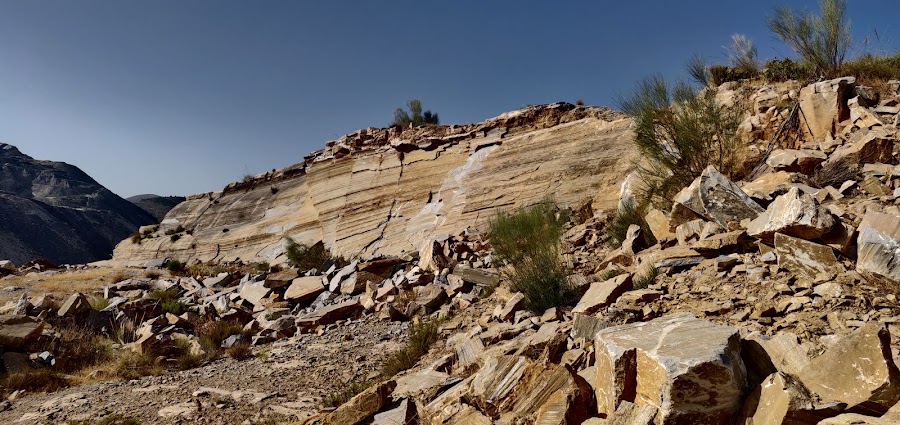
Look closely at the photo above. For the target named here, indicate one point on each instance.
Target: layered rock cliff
(387, 190)
(55, 211)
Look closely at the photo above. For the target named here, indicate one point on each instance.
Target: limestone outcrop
(387, 190)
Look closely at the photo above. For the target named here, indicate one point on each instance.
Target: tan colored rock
(602, 294)
(77, 305)
(771, 354)
(769, 185)
(688, 368)
(552, 395)
(840, 238)
(659, 225)
(823, 106)
(802, 160)
(496, 380)
(858, 370)
(877, 245)
(363, 405)
(857, 419)
(16, 331)
(716, 198)
(380, 199)
(304, 289)
(281, 279)
(794, 214)
(805, 258)
(403, 414)
(781, 399)
(514, 304)
(431, 256)
(873, 147)
(329, 314)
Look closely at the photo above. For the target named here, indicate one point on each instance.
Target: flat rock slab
(363, 405)
(878, 245)
(329, 314)
(715, 197)
(688, 368)
(16, 331)
(304, 289)
(602, 294)
(805, 258)
(794, 214)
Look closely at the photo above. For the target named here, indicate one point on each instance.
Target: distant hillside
(156, 205)
(55, 211)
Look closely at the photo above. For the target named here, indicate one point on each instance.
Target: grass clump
(526, 245)
(679, 132)
(114, 419)
(175, 267)
(835, 173)
(344, 395)
(131, 365)
(784, 70)
(422, 336)
(646, 279)
(618, 223)
(168, 301)
(98, 303)
(306, 257)
(212, 332)
(415, 116)
(239, 351)
(873, 69)
(38, 380)
(822, 40)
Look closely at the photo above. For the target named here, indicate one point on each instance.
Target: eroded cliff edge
(387, 190)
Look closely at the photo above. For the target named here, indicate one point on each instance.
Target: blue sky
(179, 97)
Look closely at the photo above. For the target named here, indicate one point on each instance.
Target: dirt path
(283, 381)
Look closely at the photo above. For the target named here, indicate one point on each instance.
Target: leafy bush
(784, 70)
(306, 257)
(175, 267)
(678, 141)
(421, 337)
(526, 251)
(821, 40)
(415, 116)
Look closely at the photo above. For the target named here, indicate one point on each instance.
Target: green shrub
(415, 117)
(98, 303)
(679, 132)
(306, 257)
(421, 337)
(175, 267)
(698, 70)
(526, 251)
(617, 225)
(873, 68)
(168, 301)
(340, 397)
(822, 40)
(646, 279)
(784, 70)
(720, 74)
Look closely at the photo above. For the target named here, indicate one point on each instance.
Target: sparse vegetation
(305, 257)
(742, 55)
(136, 237)
(118, 277)
(131, 365)
(873, 70)
(152, 274)
(784, 70)
(174, 231)
(168, 301)
(38, 380)
(185, 358)
(98, 303)
(213, 332)
(526, 250)
(340, 397)
(239, 351)
(646, 279)
(835, 173)
(679, 132)
(619, 222)
(415, 116)
(422, 336)
(822, 40)
(175, 267)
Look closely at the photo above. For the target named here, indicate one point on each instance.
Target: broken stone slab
(766, 355)
(840, 238)
(807, 259)
(514, 304)
(495, 381)
(824, 105)
(873, 147)
(76, 306)
(329, 314)
(878, 245)
(793, 214)
(304, 289)
(221, 280)
(404, 413)
(586, 327)
(363, 405)
(858, 370)
(551, 394)
(659, 225)
(431, 256)
(688, 368)
(254, 292)
(715, 197)
(602, 294)
(281, 279)
(768, 186)
(480, 277)
(802, 160)
(781, 399)
(16, 331)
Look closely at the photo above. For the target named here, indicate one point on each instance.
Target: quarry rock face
(55, 211)
(362, 195)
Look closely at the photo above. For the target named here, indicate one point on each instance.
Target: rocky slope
(386, 190)
(55, 211)
(157, 206)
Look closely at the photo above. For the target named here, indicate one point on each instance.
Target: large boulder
(16, 331)
(715, 197)
(76, 306)
(794, 214)
(872, 147)
(804, 258)
(688, 368)
(824, 105)
(878, 245)
(857, 370)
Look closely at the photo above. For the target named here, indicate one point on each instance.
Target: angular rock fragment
(858, 370)
(690, 369)
(496, 380)
(802, 160)
(304, 289)
(793, 214)
(329, 314)
(716, 198)
(805, 258)
(781, 399)
(16, 331)
(363, 405)
(77, 305)
(602, 294)
(878, 245)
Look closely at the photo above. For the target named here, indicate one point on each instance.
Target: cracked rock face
(792, 214)
(715, 197)
(362, 196)
(688, 368)
(879, 245)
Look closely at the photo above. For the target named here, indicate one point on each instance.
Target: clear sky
(179, 97)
